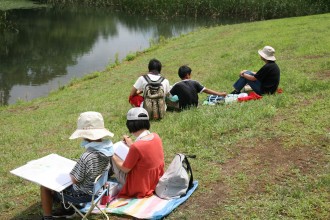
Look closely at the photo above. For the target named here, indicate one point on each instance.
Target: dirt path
(264, 164)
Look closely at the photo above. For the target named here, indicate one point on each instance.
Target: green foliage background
(248, 9)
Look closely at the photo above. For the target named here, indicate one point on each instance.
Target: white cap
(133, 114)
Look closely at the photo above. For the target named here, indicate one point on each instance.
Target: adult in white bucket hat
(93, 162)
(139, 173)
(266, 80)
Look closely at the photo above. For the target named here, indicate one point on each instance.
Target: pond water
(43, 49)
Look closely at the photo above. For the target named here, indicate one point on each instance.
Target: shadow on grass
(32, 212)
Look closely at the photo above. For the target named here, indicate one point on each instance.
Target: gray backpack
(177, 179)
(154, 98)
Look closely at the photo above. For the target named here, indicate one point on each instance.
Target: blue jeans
(241, 82)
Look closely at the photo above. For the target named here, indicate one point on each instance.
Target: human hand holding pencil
(127, 140)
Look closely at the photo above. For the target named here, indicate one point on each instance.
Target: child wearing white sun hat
(93, 162)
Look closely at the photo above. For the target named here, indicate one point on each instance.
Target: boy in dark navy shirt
(187, 90)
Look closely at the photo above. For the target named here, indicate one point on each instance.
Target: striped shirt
(88, 167)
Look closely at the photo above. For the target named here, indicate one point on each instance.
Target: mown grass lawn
(265, 159)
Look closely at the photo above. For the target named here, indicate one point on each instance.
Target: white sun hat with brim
(267, 53)
(91, 126)
(135, 114)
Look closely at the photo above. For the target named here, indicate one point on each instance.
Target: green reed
(247, 9)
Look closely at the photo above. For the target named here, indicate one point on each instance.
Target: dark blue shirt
(187, 91)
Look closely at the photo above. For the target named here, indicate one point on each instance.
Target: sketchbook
(51, 171)
(121, 149)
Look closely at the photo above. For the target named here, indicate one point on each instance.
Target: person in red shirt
(144, 163)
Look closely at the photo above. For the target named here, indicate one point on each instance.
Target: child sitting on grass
(187, 90)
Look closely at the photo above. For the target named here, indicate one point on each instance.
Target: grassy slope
(295, 122)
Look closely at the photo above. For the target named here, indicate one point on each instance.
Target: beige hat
(268, 53)
(91, 126)
(133, 114)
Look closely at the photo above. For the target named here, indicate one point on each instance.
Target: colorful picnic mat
(147, 208)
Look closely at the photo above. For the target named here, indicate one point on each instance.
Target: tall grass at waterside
(10, 4)
(246, 9)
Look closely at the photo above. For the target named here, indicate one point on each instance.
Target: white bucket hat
(268, 53)
(133, 114)
(91, 126)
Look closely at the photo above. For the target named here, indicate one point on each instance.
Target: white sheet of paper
(51, 171)
(121, 149)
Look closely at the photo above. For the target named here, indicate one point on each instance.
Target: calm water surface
(46, 48)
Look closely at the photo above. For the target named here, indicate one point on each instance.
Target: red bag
(135, 100)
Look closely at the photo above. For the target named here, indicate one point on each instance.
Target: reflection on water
(45, 48)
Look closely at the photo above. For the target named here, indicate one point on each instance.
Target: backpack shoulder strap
(160, 80)
(189, 170)
(147, 78)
